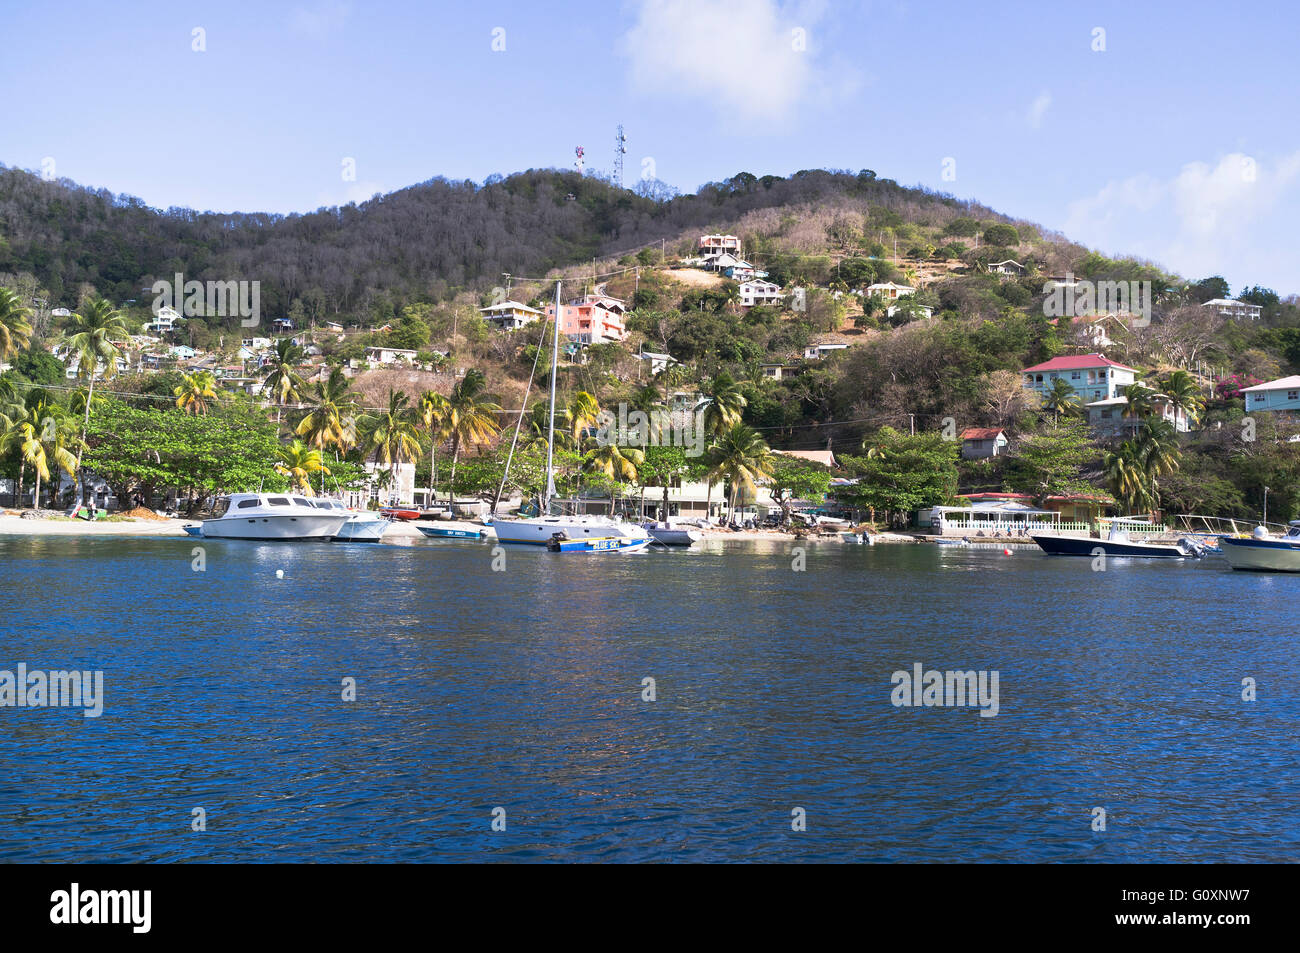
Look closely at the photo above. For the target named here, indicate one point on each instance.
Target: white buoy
(279, 574)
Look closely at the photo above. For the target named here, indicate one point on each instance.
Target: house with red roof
(1092, 376)
(979, 443)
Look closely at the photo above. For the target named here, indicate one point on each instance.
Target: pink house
(592, 319)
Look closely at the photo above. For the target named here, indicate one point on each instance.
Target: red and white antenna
(581, 164)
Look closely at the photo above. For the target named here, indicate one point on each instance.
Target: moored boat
(271, 516)
(1263, 551)
(1116, 544)
(559, 543)
(450, 532)
(363, 526)
(404, 513)
(666, 534)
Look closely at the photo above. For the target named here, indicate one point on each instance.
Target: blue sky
(1175, 143)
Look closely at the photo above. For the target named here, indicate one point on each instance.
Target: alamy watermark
(202, 299)
(922, 688)
(658, 428)
(54, 689)
(1079, 298)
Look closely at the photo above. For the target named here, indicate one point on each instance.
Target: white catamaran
(540, 530)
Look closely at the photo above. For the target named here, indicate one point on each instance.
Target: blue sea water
(523, 689)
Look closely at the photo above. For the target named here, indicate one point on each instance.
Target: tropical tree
(434, 409)
(299, 462)
(740, 459)
(1061, 400)
(282, 380)
(97, 330)
(581, 414)
(615, 463)
(1184, 394)
(471, 418)
(15, 326)
(331, 417)
(722, 401)
(41, 437)
(391, 434)
(196, 392)
(1141, 401)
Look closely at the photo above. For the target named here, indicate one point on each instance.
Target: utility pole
(911, 420)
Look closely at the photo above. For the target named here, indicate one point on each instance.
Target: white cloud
(320, 20)
(751, 60)
(1038, 109)
(1207, 219)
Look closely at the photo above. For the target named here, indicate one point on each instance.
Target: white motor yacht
(538, 531)
(363, 526)
(271, 516)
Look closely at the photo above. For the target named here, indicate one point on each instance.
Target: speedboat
(539, 530)
(666, 534)
(363, 526)
(404, 513)
(1263, 551)
(451, 532)
(559, 543)
(271, 516)
(1116, 544)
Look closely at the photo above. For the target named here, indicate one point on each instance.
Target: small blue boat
(193, 530)
(601, 544)
(446, 532)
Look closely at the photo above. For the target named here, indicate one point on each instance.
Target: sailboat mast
(550, 440)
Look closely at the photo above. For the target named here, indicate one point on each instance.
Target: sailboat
(567, 533)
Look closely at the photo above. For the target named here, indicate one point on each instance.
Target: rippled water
(522, 690)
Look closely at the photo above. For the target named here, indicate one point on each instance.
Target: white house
(718, 244)
(815, 352)
(165, 319)
(1232, 308)
(1092, 376)
(1008, 267)
(510, 315)
(757, 291)
(658, 362)
(390, 355)
(256, 344)
(61, 313)
(777, 371)
(1281, 394)
(925, 309)
(889, 291)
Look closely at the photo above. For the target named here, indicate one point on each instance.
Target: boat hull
(1083, 546)
(282, 528)
(609, 544)
(363, 531)
(1260, 555)
(674, 537)
(538, 532)
(439, 532)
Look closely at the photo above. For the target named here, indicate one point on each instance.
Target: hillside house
(980, 443)
(718, 244)
(1234, 309)
(1282, 394)
(777, 372)
(510, 315)
(756, 292)
(889, 290)
(658, 362)
(165, 319)
(816, 352)
(1011, 268)
(1107, 417)
(592, 319)
(1092, 376)
(390, 355)
(925, 309)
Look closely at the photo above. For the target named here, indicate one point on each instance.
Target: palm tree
(97, 331)
(1060, 401)
(1141, 403)
(434, 410)
(41, 438)
(281, 378)
(1184, 394)
(298, 462)
(195, 392)
(470, 418)
(618, 464)
(391, 434)
(15, 328)
(331, 418)
(741, 457)
(582, 413)
(1125, 476)
(722, 402)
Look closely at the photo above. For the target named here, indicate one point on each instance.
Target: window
(278, 501)
(301, 502)
(1075, 375)
(1293, 395)
(245, 504)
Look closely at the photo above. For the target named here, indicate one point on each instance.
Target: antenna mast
(620, 149)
